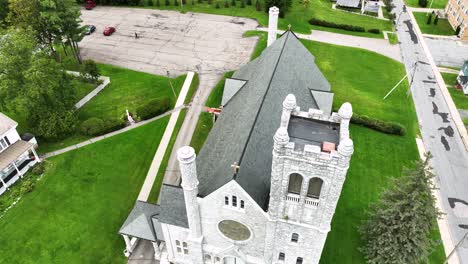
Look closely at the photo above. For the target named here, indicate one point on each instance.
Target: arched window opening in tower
(315, 187)
(295, 183)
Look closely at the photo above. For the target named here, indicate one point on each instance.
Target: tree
(3, 12)
(242, 4)
(168, 3)
(258, 6)
(283, 5)
(90, 70)
(436, 19)
(233, 2)
(249, 2)
(399, 223)
(226, 4)
(16, 48)
(429, 19)
(422, 3)
(48, 98)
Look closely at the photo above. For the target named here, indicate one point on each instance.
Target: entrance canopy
(12, 153)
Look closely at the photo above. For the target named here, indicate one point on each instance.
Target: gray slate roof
(139, 222)
(231, 87)
(244, 131)
(173, 206)
(348, 3)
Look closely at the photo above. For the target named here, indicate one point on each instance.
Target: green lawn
(392, 38)
(378, 157)
(297, 16)
(83, 88)
(128, 88)
(442, 28)
(458, 97)
(203, 128)
(77, 208)
(216, 95)
(438, 4)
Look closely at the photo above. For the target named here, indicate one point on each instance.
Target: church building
(265, 185)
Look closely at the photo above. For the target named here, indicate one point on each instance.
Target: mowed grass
(297, 16)
(77, 208)
(437, 4)
(443, 27)
(128, 90)
(458, 97)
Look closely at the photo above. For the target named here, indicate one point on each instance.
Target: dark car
(108, 31)
(90, 29)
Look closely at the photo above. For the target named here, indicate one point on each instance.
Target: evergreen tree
(217, 6)
(233, 2)
(242, 4)
(422, 3)
(226, 4)
(193, 2)
(283, 6)
(167, 3)
(200, 1)
(151, 3)
(176, 3)
(429, 19)
(457, 31)
(184, 2)
(399, 223)
(249, 2)
(258, 6)
(436, 19)
(141, 3)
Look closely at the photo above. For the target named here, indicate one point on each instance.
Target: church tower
(311, 156)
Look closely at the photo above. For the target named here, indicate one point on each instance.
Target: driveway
(447, 52)
(167, 40)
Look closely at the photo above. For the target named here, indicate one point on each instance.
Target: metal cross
(235, 167)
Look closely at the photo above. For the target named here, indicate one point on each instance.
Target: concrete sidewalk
(164, 143)
(381, 46)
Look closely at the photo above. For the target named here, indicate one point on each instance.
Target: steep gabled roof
(139, 222)
(6, 123)
(244, 131)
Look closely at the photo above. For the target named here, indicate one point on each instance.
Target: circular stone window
(234, 230)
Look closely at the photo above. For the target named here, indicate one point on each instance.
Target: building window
(315, 187)
(217, 260)
(295, 183)
(281, 256)
(226, 200)
(295, 237)
(181, 247)
(234, 201)
(207, 259)
(299, 261)
(242, 204)
(4, 143)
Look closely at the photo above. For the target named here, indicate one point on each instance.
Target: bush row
(325, 23)
(379, 125)
(153, 108)
(95, 126)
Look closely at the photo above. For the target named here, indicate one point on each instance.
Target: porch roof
(13, 152)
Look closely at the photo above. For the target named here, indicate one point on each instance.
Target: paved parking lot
(167, 40)
(448, 52)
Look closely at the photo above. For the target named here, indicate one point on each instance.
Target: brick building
(457, 15)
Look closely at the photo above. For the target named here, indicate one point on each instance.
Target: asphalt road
(440, 136)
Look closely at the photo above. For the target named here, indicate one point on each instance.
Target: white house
(17, 154)
(265, 185)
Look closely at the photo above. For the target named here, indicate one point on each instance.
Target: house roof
(13, 152)
(348, 3)
(244, 131)
(173, 206)
(139, 222)
(6, 123)
(231, 87)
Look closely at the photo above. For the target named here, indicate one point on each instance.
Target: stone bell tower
(311, 156)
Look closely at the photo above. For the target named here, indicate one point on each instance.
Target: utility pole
(172, 87)
(455, 248)
(412, 78)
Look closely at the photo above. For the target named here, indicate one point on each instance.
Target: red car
(89, 4)
(108, 31)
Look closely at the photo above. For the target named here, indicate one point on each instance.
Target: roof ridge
(261, 104)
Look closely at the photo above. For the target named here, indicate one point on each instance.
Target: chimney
(272, 24)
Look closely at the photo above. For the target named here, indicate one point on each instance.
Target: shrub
(379, 125)
(151, 3)
(184, 2)
(233, 2)
(142, 3)
(176, 3)
(38, 169)
(242, 4)
(217, 6)
(226, 4)
(26, 186)
(200, 1)
(283, 6)
(324, 23)
(249, 2)
(374, 30)
(90, 70)
(92, 126)
(429, 19)
(422, 3)
(154, 107)
(436, 19)
(168, 3)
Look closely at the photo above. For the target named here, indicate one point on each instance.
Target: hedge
(374, 30)
(324, 23)
(379, 125)
(153, 108)
(96, 126)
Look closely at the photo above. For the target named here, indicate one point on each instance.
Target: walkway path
(448, 70)
(439, 125)
(164, 143)
(422, 9)
(120, 131)
(380, 46)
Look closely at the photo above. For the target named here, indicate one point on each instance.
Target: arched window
(226, 200)
(315, 187)
(295, 183)
(299, 261)
(295, 237)
(207, 258)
